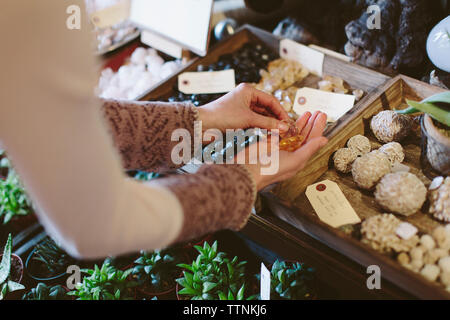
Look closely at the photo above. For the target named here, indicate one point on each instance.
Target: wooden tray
(356, 76)
(296, 209)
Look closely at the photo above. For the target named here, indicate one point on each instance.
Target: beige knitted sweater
(56, 135)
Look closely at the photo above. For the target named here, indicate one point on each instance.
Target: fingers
(318, 127)
(301, 122)
(307, 128)
(264, 122)
(267, 101)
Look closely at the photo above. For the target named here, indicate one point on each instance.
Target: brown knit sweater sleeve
(215, 197)
(142, 131)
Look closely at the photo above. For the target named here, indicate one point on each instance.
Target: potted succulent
(44, 292)
(47, 261)
(105, 283)
(11, 271)
(13, 199)
(190, 245)
(213, 276)
(435, 124)
(291, 281)
(156, 272)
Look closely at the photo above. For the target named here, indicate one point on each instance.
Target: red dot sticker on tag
(301, 100)
(321, 187)
(285, 51)
(185, 82)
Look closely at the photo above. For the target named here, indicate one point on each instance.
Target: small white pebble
(416, 254)
(430, 271)
(406, 230)
(444, 264)
(445, 279)
(427, 241)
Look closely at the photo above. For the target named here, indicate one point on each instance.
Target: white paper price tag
(309, 58)
(335, 105)
(206, 82)
(159, 43)
(111, 15)
(330, 204)
(265, 283)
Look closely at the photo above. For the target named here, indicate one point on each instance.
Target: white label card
(111, 15)
(265, 283)
(206, 82)
(159, 43)
(332, 53)
(335, 105)
(309, 58)
(330, 204)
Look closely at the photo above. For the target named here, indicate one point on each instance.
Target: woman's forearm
(142, 131)
(55, 135)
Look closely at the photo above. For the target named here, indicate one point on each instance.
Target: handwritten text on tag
(206, 82)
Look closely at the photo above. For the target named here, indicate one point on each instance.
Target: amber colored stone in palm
(291, 140)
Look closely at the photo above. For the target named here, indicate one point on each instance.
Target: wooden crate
(355, 75)
(296, 209)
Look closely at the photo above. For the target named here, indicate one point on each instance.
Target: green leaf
(437, 113)
(438, 97)
(214, 246)
(187, 291)
(222, 296)
(208, 286)
(189, 277)
(185, 266)
(14, 286)
(5, 265)
(240, 294)
(139, 260)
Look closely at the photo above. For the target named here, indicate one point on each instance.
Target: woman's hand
(311, 127)
(244, 107)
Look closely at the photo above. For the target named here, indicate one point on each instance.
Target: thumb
(309, 149)
(268, 123)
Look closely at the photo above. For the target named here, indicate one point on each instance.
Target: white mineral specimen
(368, 169)
(401, 192)
(444, 264)
(394, 151)
(388, 126)
(380, 233)
(427, 241)
(430, 271)
(343, 159)
(360, 144)
(440, 201)
(146, 68)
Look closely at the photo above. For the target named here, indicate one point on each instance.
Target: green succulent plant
(145, 176)
(294, 282)
(6, 284)
(213, 276)
(437, 106)
(13, 198)
(52, 258)
(157, 270)
(105, 283)
(44, 292)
